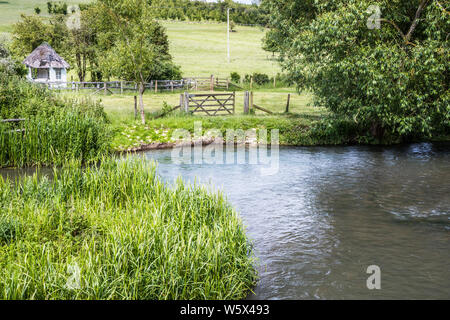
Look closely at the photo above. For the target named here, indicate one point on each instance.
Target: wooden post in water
(135, 107)
(288, 102)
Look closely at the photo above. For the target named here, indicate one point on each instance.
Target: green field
(199, 48)
(11, 10)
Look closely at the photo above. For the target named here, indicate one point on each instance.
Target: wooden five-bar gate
(211, 104)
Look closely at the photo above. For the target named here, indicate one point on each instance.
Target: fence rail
(193, 83)
(213, 104)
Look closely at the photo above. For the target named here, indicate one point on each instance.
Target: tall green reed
(130, 235)
(53, 140)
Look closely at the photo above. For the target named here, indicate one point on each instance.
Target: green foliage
(209, 11)
(8, 65)
(57, 7)
(8, 230)
(391, 81)
(55, 130)
(260, 78)
(130, 235)
(32, 31)
(235, 77)
(37, 10)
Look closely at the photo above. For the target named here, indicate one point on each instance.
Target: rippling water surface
(331, 212)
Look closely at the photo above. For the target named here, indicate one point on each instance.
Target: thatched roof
(45, 57)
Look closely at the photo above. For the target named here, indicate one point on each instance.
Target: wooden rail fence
(212, 104)
(194, 83)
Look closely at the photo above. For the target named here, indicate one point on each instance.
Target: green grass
(130, 133)
(201, 49)
(53, 140)
(10, 10)
(120, 108)
(130, 236)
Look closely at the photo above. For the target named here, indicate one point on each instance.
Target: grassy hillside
(200, 48)
(11, 10)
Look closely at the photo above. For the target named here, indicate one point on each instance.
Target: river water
(331, 212)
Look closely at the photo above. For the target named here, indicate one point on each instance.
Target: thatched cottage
(46, 66)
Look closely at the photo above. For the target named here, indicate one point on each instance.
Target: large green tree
(140, 50)
(383, 64)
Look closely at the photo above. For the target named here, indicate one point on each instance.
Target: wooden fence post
(181, 101)
(135, 107)
(171, 85)
(104, 88)
(228, 83)
(288, 102)
(275, 81)
(186, 102)
(251, 83)
(234, 102)
(156, 86)
(121, 87)
(246, 102)
(251, 100)
(212, 83)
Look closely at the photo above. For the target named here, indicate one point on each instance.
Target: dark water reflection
(331, 212)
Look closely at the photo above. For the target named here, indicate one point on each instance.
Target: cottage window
(58, 74)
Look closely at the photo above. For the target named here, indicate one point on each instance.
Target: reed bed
(53, 140)
(116, 231)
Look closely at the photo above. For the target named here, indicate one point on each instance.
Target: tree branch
(415, 22)
(392, 23)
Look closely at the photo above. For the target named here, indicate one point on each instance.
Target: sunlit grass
(129, 235)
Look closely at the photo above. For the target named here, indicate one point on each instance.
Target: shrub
(261, 78)
(258, 78)
(235, 77)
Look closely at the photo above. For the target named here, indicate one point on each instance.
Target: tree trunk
(141, 101)
(377, 131)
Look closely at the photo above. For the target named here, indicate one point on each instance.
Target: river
(331, 212)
